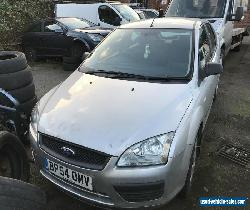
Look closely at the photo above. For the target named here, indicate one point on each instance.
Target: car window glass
(150, 14)
(107, 15)
(126, 12)
(51, 27)
(212, 36)
(197, 8)
(35, 28)
(204, 49)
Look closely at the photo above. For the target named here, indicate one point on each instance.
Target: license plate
(69, 175)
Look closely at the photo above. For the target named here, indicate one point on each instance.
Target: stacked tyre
(15, 194)
(71, 63)
(16, 78)
(14, 161)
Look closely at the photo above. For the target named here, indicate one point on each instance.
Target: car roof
(182, 23)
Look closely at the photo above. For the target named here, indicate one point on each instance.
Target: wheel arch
(196, 123)
(83, 43)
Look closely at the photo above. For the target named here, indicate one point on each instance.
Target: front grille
(142, 192)
(82, 157)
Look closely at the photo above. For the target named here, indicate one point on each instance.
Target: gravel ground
(229, 122)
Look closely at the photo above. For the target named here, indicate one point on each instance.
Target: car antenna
(152, 24)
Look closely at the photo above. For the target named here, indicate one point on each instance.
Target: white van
(106, 15)
(221, 14)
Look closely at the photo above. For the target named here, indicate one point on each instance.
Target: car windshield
(197, 8)
(161, 53)
(150, 14)
(75, 23)
(126, 12)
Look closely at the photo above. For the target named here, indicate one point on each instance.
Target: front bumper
(119, 187)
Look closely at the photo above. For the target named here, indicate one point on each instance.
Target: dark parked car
(61, 37)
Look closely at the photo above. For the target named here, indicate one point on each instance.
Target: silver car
(124, 130)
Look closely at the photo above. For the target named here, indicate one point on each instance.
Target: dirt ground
(229, 122)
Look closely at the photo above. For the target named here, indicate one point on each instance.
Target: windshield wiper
(121, 75)
(115, 74)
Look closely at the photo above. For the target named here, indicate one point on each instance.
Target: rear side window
(35, 28)
(51, 26)
(107, 15)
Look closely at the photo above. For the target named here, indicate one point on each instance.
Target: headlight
(34, 122)
(96, 37)
(153, 151)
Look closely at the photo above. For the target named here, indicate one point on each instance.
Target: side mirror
(7, 100)
(161, 13)
(213, 69)
(238, 15)
(85, 55)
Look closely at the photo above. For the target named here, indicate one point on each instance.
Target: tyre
(216, 93)
(70, 67)
(27, 106)
(31, 54)
(72, 60)
(12, 61)
(13, 158)
(222, 56)
(189, 179)
(18, 195)
(238, 48)
(24, 94)
(77, 50)
(16, 80)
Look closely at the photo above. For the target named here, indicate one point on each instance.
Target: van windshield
(126, 12)
(158, 53)
(197, 8)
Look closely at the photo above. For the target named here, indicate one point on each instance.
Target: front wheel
(30, 54)
(238, 48)
(215, 93)
(222, 56)
(77, 50)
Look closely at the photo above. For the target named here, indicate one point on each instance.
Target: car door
(207, 85)
(31, 39)
(107, 17)
(53, 39)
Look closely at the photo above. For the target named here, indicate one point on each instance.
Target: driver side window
(108, 15)
(204, 49)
